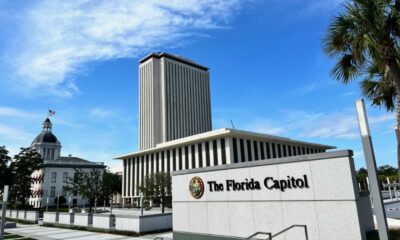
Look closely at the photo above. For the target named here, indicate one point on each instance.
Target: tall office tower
(174, 99)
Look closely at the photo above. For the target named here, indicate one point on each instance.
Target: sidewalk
(47, 233)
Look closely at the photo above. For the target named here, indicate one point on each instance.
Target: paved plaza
(48, 233)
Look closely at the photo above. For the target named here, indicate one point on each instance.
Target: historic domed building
(49, 181)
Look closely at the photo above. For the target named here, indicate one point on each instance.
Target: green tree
(112, 184)
(88, 184)
(364, 39)
(24, 164)
(157, 187)
(5, 170)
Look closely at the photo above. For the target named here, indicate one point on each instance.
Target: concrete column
(219, 151)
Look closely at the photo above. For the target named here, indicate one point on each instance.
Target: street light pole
(369, 155)
(3, 211)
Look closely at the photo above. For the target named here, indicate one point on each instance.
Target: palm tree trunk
(395, 72)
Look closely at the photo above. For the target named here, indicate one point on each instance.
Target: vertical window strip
(273, 150)
(187, 157)
(268, 151)
(255, 146)
(207, 154)
(193, 156)
(174, 159)
(262, 150)
(180, 158)
(242, 150)
(235, 149)
(284, 150)
(223, 151)
(279, 150)
(215, 153)
(249, 155)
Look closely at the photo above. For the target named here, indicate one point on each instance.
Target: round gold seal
(196, 187)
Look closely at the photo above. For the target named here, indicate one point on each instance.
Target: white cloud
(100, 113)
(55, 40)
(14, 112)
(13, 133)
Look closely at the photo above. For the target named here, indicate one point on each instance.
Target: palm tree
(364, 40)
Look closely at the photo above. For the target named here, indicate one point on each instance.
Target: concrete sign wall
(237, 200)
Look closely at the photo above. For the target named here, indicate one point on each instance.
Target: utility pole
(3, 211)
(369, 155)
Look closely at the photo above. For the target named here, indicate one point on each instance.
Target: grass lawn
(14, 236)
(394, 235)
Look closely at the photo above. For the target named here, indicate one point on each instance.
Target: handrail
(279, 233)
(258, 233)
(288, 228)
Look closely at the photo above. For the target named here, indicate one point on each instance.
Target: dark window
(235, 154)
(249, 155)
(147, 165)
(193, 157)
(200, 150)
(142, 169)
(262, 150)
(174, 159)
(157, 162)
(290, 150)
(223, 151)
(242, 150)
(187, 157)
(255, 150)
(152, 163)
(207, 154)
(303, 150)
(129, 176)
(180, 159)
(162, 162)
(298, 150)
(168, 162)
(133, 176)
(294, 151)
(215, 153)
(279, 150)
(125, 173)
(308, 151)
(312, 150)
(273, 150)
(268, 151)
(284, 150)
(137, 175)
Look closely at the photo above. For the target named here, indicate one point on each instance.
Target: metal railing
(279, 233)
(260, 233)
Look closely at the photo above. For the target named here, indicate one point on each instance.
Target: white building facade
(214, 148)
(49, 181)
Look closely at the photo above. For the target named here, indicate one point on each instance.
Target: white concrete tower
(174, 99)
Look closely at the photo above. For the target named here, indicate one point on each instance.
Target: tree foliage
(24, 164)
(157, 187)
(384, 172)
(112, 184)
(88, 184)
(5, 170)
(364, 40)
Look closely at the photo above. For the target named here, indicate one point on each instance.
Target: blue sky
(268, 72)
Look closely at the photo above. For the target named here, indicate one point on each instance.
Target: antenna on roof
(233, 126)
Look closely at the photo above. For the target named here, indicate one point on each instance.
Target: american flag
(52, 113)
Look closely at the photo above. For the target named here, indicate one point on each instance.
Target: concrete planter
(83, 219)
(145, 223)
(103, 221)
(32, 216)
(66, 218)
(8, 213)
(21, 215)
(14, 214)
(50, 217)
